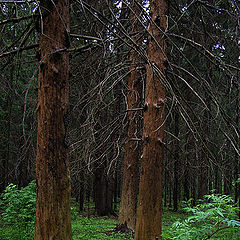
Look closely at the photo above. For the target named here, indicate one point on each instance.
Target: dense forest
(126, 109)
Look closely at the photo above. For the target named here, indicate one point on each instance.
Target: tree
(127, 212)
(176, 163)
(202, 92)
(149, 211)
(53, 181)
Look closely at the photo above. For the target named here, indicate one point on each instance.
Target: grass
(93, 228)
(102, 228)
(96, 228)
(169, 217)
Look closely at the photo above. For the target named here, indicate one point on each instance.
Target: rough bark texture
(53, 219)
(127, 212)
(149, 211)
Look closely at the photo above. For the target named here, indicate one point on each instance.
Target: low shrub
(17, 209)
(216, 217)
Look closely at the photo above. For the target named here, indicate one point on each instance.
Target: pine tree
(53, 181)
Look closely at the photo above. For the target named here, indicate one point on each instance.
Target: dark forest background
(201, 138)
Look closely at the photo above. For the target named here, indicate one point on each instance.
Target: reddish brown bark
(127, 213)
(149, 213)
(53, 219)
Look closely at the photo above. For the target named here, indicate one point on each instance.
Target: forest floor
(96, 228)
(89, 227)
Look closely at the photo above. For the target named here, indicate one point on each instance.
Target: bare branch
(19, 50)
(19, 2)
(16, 20)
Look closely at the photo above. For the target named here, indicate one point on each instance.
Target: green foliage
(95, 229)
(214, 218)
(238, 180)
(74, 211)
(17, 208)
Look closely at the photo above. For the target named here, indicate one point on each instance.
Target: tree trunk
(217, 180)
(127, 212)
(186, 181)
(149, 213)
(228, 173)
(203, 179)
(53, 219)
(7, 139)
(165, 184)
(237, 158)
(81, 197)
(103, 192)
(176, 164)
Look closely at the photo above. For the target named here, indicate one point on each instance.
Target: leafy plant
(215, 216)
(17, 208)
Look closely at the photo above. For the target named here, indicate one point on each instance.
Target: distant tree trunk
(228, 173)
(115, 193)
(203, 178)
(53, 220)
(81, 197)
(78, 189)
(165, 184)
(127, 213)
(203, 173)
(6, 142)
(186, 180)
(149, 212)
(217, 180)
(193, 190)
(103, 176)
(103, 192)
(176, 164)
(237, 158)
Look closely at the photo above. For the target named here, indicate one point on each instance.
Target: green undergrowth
(17, 212)
(215, 217)
(87, 226)
(95, 228)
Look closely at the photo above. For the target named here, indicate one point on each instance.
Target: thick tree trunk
(149, 212)
(53, 219)
(127, 213)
